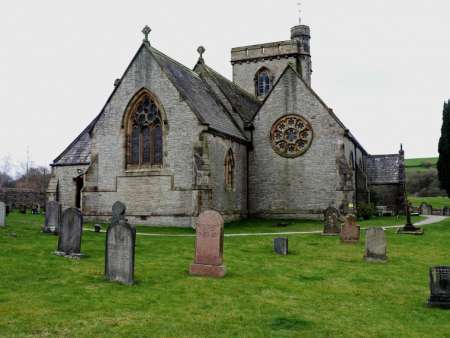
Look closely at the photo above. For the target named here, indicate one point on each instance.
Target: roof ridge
(153, 49)
(241, 90)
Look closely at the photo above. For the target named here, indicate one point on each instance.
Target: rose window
(291, 136)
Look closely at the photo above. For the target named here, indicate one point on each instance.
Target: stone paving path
(430, 219)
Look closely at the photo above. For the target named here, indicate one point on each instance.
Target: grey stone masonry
(2, 214)
(120, 247)
(52, 216)
(376, 245)
(69, 242)
(280, 246)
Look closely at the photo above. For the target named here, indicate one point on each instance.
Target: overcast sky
(383, 66)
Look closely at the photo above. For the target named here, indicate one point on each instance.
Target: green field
(322, 289)
(420, 164)
(436, 202)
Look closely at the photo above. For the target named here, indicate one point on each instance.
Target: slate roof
(199, 96)
(197, 93)
(79, 151)
(385, 169)
(242, 102)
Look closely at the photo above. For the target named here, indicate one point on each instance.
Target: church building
(172, 141)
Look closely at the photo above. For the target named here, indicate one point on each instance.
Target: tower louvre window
(263, 82)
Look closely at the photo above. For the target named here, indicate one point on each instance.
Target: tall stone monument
(331, 222)
(350, 231)
(52, 217)
(70, 232)
(376, 245)
(120, 247)
(409, 228)
(209, 246)
(2, 214)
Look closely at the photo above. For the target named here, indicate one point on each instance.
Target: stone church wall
(244, 73)
(299, 187)
(160, 196)
(67, 186)
(232, 203)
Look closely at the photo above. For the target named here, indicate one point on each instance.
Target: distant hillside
(420, 164)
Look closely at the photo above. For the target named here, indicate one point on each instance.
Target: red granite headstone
(209, 246)
(350, 230)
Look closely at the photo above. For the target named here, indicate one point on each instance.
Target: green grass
(322, 289)
(436, 202)
(418, 162)
(413, 165)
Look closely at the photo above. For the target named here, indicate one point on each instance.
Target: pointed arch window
(145, 136)
(229, 170)
(263, 82)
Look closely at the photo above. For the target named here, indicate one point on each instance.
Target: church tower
(257, 67)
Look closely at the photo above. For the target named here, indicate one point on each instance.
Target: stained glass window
(146, 136)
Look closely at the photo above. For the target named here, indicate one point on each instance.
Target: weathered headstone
(446, 211)
(120, 247)
(280, 246)
(70, 232)
(52, 217)
(426, 209)
(2, 214)
(350, 230)
(8, 209)
(97, 228)
(209, 246)
(376, 245)
(331, 222)
(439, 287)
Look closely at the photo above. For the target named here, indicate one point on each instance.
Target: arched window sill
(153, 170)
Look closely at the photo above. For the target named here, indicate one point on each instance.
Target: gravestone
(70, 232)
(439, 287)
(446, 211)
(209, 246)
(426, 209)
(350, 230)
(52, 217)
(97, 228)
(23, 209)
(376, 245)
(280, 246)
(120, 247)
(8, 209)
(2, 214)
(331, 222)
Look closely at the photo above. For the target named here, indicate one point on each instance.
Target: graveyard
(322, 288)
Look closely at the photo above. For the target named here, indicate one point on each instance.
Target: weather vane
(299, 5)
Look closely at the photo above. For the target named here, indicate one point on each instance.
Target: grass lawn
(417, 162)
(322, 289)
(436, 202)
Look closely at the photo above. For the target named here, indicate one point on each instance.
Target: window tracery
(291, 136)
(145, 146)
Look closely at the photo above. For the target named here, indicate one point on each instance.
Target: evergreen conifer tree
(443, 164)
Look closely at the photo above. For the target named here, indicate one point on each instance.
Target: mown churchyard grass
(322, 288)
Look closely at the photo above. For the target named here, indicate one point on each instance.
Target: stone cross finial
(200, 51)
(299, 4)
(146, 30)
